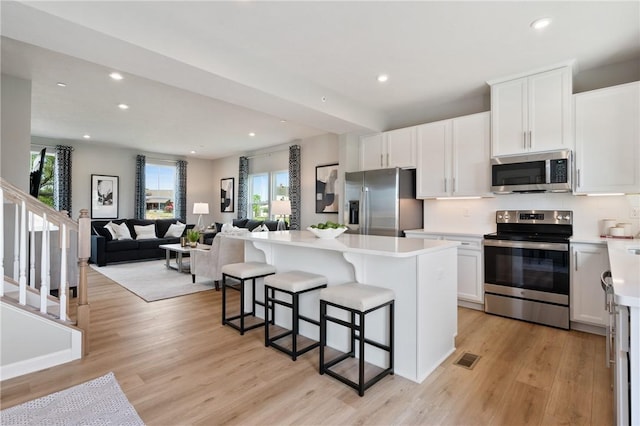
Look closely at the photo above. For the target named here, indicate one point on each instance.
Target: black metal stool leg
(323, 333)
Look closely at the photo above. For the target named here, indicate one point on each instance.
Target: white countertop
(440, 233)
(351, 243)
(625, 271)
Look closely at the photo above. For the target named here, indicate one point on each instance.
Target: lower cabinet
(588, 261)
(470, 266)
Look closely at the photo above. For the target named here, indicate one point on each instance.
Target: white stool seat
(295, 281)
(248, 269)
(357, 296)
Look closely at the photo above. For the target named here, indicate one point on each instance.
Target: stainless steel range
(526, 266)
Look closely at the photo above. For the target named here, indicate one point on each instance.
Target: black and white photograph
(326, 196)
(226, 195)
(104, 197)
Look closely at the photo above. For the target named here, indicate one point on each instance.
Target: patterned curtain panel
(181, 191)
(294, 185)
(140, 206)
(62, 181)
(243, 181)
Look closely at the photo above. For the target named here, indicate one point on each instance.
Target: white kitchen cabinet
(395, 148)
(532, 113)
(588, 261)
(454, 157)
(607, 133)
(470, 265)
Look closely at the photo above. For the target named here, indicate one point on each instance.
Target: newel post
(84, 252)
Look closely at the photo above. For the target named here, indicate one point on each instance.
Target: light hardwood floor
(179, 366)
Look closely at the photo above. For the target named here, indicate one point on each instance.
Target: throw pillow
(175, 230)
(122, 232)
(110, 227)
(103, 232)
(145, 232)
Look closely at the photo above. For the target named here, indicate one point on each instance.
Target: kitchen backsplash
(478, 216)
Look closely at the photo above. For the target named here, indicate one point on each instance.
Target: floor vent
(467, 360)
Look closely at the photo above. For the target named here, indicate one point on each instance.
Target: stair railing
(34, 226)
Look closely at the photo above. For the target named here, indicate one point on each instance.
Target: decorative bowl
(326, 233)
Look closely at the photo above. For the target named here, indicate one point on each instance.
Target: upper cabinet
(532, 113)
(607, 134)
(453, 157)
(396, 148)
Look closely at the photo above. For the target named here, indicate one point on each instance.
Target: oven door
(532, 270)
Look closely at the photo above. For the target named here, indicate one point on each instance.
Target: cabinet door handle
(466, 244)
(381, 164)
(530, 139)
(575, 260)
(387, 159)
(445, 184)
(579, 185)
(453, 185)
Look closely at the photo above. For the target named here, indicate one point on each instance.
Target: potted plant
(193, 236)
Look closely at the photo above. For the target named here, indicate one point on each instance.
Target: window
(160, 190)
(264, 187)
(45, 194)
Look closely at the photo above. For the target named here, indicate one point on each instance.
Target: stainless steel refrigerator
(382, 202)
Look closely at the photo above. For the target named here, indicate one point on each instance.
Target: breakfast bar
(422, 274)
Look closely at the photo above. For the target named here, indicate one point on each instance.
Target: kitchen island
(422, 274)
(624, 256)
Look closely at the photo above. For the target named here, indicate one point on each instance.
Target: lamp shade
(200, 208)
(280, 207)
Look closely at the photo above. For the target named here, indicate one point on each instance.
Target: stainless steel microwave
(548, 171)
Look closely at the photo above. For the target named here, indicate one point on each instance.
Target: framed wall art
(226, 195)
(326, 196)
(104, 197)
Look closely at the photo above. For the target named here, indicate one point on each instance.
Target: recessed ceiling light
(193, 152)
(283, 121)
(541, 23)
(61, 84)
(383, 78)
(116, 76)
(123, 106)
(87, 136)
(252, 134)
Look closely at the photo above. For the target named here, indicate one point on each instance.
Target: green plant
(193, 235)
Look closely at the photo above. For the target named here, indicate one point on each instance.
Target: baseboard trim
(36, 364)
(471, 305)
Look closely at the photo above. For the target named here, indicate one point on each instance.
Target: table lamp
(281, 208)
(200, 209)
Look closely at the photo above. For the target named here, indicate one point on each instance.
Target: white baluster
(2, 241)
(32, 252)
(22, 279)
(62, 287)
(44, 265)
(16, 244)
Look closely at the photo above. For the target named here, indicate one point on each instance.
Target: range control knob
(567, 217)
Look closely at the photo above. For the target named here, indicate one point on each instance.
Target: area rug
(97, 402)
(152, 280)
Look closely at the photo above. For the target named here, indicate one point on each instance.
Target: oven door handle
(527, 245)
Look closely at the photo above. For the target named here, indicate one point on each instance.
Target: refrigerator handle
(364, 210)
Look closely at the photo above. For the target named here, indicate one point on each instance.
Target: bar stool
(243, 272)
(359, 300)
(293, 283)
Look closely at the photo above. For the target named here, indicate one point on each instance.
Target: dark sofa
(251, 224)
(105, 250)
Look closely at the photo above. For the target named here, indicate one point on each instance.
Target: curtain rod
(162, 160)
(267, 153)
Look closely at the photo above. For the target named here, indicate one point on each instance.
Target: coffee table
(179, 251)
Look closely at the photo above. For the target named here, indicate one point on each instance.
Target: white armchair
(208, 263)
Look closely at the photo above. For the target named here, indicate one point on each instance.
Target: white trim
(569, 63)
(40, 363)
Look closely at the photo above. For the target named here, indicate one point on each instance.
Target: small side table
(207, 235)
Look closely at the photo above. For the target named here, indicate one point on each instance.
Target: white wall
(478, 216)
(15, 120)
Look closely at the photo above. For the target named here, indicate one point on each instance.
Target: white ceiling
(202, 75)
